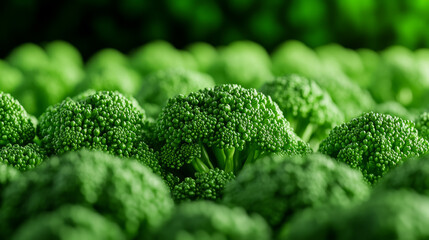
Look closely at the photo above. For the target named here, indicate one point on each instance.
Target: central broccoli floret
(225, 127)
(374, 143)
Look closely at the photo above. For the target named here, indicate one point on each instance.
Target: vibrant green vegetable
(7, 174)
(422, 125)
(279, 187)
(22, 158)
(71, 222)
(209, 221)
(374, 143)
(122, 190)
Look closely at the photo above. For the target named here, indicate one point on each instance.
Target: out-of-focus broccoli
(305, 105)
(122, 190)
(206, 220)
(7, 174)
(10, 77)
(22, 157)
(159, 55)
(395, 109)
(15, 124)
(160, 86)
(244, 63)
(204, 54)
(279, 187)
(374, 143)
(224, 127)
(104, 120)
(71, 222)
(391, 215)
(28, 57)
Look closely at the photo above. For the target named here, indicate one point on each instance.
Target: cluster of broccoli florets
(194, 145)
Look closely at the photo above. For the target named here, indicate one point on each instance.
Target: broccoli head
(244, 63)
(278, 187)
(206, 220)
(105, 120)
(422, 125)
(22, 157)
(71, 222)
(374, 143)
(162, 85)
(7, 174)
(15, 124)
(122, 190)
(204, 55)
(392, 215)
(10, 77)
(305, 105)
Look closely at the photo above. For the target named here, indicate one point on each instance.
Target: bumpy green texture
(22, 157)
(374, 143)
(278, 187)
(307, 107)
(71, 222)
(422, 125)
(7, 174)
(394, 215)
(15, 124)
(162, 85)
(122, 190)
(225, 127)
(244, 63)
(204, 220)
(412, 175)
(205, 185)
(105, 120)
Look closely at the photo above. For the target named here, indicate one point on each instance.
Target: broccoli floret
(71, 222)
(22, 158)
(105, 120)
(422, 125)
(159, 55)
(244, 63)
(225, 127)
(206, 185)
(374, 143)
(160, 86)
(7, 174)
(279, 187)
(28, 57)
(15, 124)
(123, 190)
(204, 55)
(10, 77)
(391, 215)
(206, 220)
(107, 57)
(305, 105)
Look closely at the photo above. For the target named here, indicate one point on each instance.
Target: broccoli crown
(205, 185)
(120, 189)
(206, 220)
(7, 174)
(15, 124)
(28, 57)
(411, 175)
(70, 222)
(22, 157)
(422, 125)
(305, 105)
(374, 143)
(279, 187)
(224, 127)
(158, 87)
(393, 215)
(204, 55)
(10, 78)
(106, 121)
(245, 63)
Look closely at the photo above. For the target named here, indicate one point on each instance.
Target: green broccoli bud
(422, 125)
(205, 185)
(123, 190)
(206, 220)
(391, 215)
(69, 223)
(374, 143)
(305, 105)
(279, 187)
(22, 158)
(15, 124)
(244, 63)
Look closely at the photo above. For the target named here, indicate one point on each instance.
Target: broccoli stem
(308, 132)
(203, 163)
(220, 157)
(229, 164)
